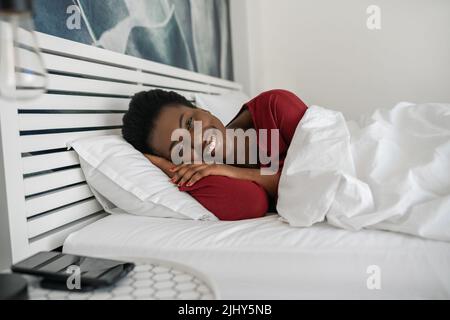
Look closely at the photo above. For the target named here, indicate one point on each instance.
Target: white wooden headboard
(43, 193)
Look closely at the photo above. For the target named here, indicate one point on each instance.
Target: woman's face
(174, 117)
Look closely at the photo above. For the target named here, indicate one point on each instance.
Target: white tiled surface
(145, 282)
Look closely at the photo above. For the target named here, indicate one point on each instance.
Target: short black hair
(144, 108)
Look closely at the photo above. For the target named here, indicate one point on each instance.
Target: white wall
(323, 51)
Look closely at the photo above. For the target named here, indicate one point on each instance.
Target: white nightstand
(151, 279)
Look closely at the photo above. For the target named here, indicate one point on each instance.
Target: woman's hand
(189, 174)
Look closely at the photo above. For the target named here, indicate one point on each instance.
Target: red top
(234, 199)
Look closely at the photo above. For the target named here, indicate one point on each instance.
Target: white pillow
(124, 181)
(225, 106)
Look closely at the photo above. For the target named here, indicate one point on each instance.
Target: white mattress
(267, 259)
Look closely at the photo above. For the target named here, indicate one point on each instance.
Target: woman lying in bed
(232, 190)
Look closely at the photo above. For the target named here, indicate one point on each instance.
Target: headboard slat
(30, 122)
(67, 84)
(28, 60)
(74, 102)
(57, 140)
(80, 67)
(61, 217)
(52, 200)
(49, 161)
(50, 181)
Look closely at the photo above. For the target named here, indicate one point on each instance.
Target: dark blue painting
(189, 34)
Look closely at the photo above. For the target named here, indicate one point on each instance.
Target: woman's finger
(180, 166)
(197, 177)
(182, 171)
(189, 173)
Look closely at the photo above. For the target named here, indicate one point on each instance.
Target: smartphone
(57, 268)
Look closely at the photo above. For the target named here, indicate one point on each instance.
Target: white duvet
(390, 171)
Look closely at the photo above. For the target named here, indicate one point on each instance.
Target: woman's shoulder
(276, 104)
(269, 99)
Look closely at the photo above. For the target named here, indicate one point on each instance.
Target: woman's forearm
(191, 173)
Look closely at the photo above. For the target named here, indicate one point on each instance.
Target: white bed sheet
(267, 259)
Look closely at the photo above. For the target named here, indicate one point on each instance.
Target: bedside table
(151, 279)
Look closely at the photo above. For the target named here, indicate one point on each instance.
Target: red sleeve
(288, 110)
(277, 109)
(230, 199)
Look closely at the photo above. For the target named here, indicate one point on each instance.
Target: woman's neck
(242, 121)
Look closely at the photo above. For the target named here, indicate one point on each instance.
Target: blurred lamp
(22, 71)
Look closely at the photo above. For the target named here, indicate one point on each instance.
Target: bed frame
(43, 193)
